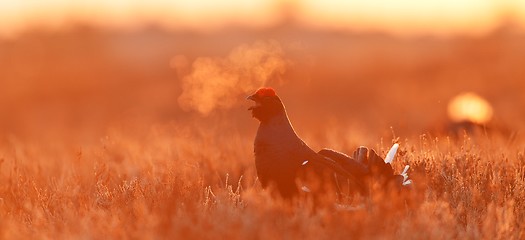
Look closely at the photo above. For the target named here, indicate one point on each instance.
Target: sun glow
(402, 16)
(470, 107)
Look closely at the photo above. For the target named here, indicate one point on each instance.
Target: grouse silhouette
(286, 163)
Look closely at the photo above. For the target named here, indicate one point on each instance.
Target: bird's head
(267, 104)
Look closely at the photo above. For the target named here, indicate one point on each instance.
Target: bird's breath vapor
(218, 82)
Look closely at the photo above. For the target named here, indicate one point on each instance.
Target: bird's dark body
(279, 153)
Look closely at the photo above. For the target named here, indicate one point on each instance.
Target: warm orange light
(400, 16)
(469, 107)
(405, 16)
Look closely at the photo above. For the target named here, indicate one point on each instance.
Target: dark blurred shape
(471, 114)
(468, 127)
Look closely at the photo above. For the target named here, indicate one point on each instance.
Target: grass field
(145, 135)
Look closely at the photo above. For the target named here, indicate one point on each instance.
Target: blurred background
(71, 70)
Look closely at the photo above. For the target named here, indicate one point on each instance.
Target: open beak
(253, 98)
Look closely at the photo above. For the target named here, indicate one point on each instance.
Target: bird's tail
(391, 153)
(389, 158)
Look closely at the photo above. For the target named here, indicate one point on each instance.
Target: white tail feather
(406, 169)
(391, 153)
(405, 177)
(305, 189)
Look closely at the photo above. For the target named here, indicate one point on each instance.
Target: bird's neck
(280, 121)
(277, 130)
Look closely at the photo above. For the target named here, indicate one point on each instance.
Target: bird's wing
(350, 164)
(319, 163)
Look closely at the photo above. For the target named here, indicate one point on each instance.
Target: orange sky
(399, 16)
